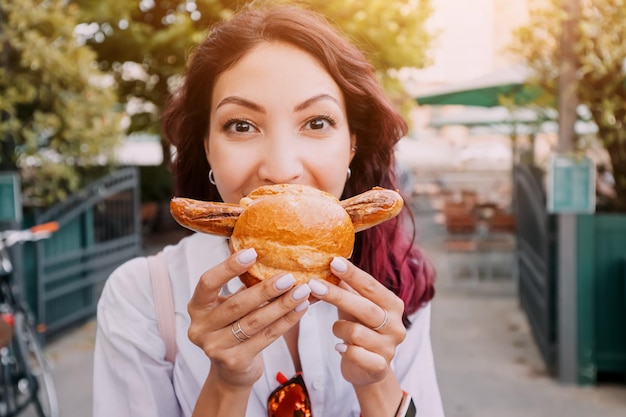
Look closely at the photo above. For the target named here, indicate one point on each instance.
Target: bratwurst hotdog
(293, 228)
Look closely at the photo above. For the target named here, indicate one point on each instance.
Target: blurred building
(472, 40)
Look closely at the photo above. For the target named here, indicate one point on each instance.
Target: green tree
(144, 43)
(601, 64)
(57, 119)
(392, 33)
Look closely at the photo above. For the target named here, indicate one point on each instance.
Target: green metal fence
(99, 229)
(536, 261)
(600, 281)
(601, 302)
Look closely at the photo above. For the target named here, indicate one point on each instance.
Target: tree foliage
(392, 33)
(601, 68)
(57, 117)
(69, 70)
(144, 43)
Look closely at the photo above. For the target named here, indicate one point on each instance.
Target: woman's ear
(206, 149)
(353, 147)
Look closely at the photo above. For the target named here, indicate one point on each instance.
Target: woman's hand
(233, 330)
(370, 322)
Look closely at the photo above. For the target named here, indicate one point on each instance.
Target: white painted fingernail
(301, 292)
(318, 288)
(302, 306)
(246, 256)
(284, 282)
(339, 265)
(341, 347)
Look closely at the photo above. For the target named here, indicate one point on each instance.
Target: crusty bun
(372, 207)
(293, 228)
(205, 216)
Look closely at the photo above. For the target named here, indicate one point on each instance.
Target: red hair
(387, 251)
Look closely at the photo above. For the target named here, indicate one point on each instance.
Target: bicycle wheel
(36, 383)
(8, 397)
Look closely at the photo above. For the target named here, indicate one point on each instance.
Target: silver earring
(349, 173)
(353, 148)
(211, 177)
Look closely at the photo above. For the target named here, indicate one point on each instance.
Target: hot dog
(293, 228)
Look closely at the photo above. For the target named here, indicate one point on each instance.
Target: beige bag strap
(163, 303)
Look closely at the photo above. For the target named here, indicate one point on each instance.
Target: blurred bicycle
(25, 375)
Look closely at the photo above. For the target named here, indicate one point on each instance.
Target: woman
(275, 95)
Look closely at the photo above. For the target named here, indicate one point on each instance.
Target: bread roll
(293, 228)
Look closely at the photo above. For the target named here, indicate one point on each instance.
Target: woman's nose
(281, 162)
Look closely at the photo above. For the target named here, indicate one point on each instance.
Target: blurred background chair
(461, 241)
(497, 245)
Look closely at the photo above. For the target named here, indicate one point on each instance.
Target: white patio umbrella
(482, 116)
(505, 121)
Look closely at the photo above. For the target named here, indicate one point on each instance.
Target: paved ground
(487, 362)
(489, 366)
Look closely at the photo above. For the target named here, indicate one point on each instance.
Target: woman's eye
(320, 123)
(239, 126)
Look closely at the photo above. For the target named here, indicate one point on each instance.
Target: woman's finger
(268, 323)
(259, 318)
(245, 336)
(358, 306)
(248, 300)
(363, 283)
(354, 334)
(361, 366)
(214, 279)
(360, 281)
(237, 356)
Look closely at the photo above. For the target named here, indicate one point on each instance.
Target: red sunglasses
(290, 399)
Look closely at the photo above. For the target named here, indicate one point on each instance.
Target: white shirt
(132, 378)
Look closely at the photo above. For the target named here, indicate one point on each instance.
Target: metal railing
(536, 246)
(100, 228)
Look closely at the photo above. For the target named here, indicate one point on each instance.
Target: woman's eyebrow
(314, 99)
(241, 102)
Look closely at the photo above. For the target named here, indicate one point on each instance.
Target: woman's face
(277, 117)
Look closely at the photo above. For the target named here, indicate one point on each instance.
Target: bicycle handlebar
(41, 231)
(49, 227)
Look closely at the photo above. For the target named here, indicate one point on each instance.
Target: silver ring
(238, 332)
(385, 320)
